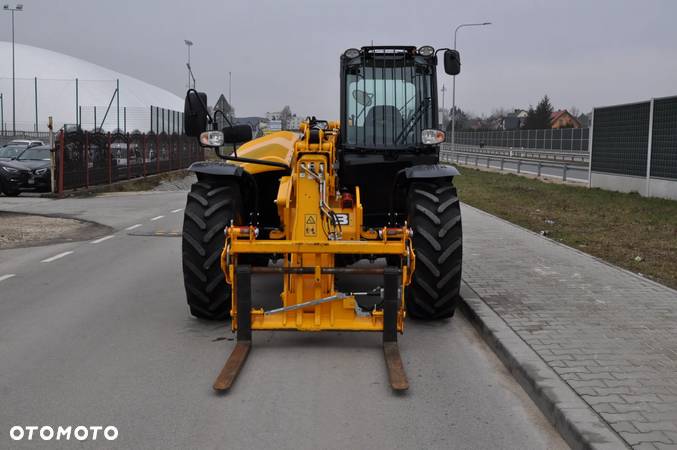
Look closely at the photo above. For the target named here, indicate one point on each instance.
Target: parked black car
(30, 170)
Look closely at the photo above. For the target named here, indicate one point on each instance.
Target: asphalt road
(97, 333)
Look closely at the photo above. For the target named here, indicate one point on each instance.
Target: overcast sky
(581, 53)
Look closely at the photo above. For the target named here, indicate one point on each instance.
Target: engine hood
(30, 164)
(275, 147)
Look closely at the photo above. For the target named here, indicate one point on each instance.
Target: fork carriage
(318, 226)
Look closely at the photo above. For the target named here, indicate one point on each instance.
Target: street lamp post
(18, 7)
(444, 111)
(188, 44)
(453, 86)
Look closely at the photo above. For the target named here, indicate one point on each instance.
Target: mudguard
(218, 168)
(429, 171)
(413, 173)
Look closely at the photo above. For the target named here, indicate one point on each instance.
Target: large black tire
(434, 214)
(210, 207)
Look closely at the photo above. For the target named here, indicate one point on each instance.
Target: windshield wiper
(415, 119)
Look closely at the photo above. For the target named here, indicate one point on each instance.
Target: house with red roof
(564, 119)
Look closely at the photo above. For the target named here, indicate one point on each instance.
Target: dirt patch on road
(177, 184)
(27, 230)
(160, 182)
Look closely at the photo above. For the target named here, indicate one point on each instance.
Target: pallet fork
(396, 374)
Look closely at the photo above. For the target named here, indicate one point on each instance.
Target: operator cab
(389, 117)
(389, 97)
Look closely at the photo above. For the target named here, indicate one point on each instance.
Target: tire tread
(210, 206)
(435, 216)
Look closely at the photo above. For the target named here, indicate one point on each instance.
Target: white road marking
(177, 210)
(55, 257)
(6, 277)
(156, 218)
(105, 238)
(133, 226)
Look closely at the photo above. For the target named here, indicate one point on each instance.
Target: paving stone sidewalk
(611, 335)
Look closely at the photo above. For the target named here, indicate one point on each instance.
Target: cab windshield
(388, 104)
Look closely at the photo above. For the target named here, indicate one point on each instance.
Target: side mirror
(452, 62)
(237, 134)
(195, 113)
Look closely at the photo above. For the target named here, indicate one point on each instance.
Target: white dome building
(56, 75)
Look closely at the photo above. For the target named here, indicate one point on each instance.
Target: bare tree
(500, 112)
(285, 116)
(462, 119)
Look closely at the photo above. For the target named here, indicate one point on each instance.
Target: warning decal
(310, 226)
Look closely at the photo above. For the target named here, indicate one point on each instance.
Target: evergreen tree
(539, 118)
(530, 121)
(544, 113)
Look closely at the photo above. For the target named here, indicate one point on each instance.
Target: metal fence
(165, 121)
(664, 138)
(621, 139)
(634, 147)
(86, 159)
(133, 120)
(92, 104)
(567, 139)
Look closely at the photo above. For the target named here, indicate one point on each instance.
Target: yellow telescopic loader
(307, 205)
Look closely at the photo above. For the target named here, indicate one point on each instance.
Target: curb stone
(578, 424)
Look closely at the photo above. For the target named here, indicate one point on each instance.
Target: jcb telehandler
(307, 205)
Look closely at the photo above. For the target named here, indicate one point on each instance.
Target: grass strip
(630, 231)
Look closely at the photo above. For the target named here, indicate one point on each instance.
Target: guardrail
(548, 155)
(566, 171)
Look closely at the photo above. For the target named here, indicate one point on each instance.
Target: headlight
(41, 171)
(9, 169)
(212, 138)
(430, 137)
(352, 53)
(426, 50)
